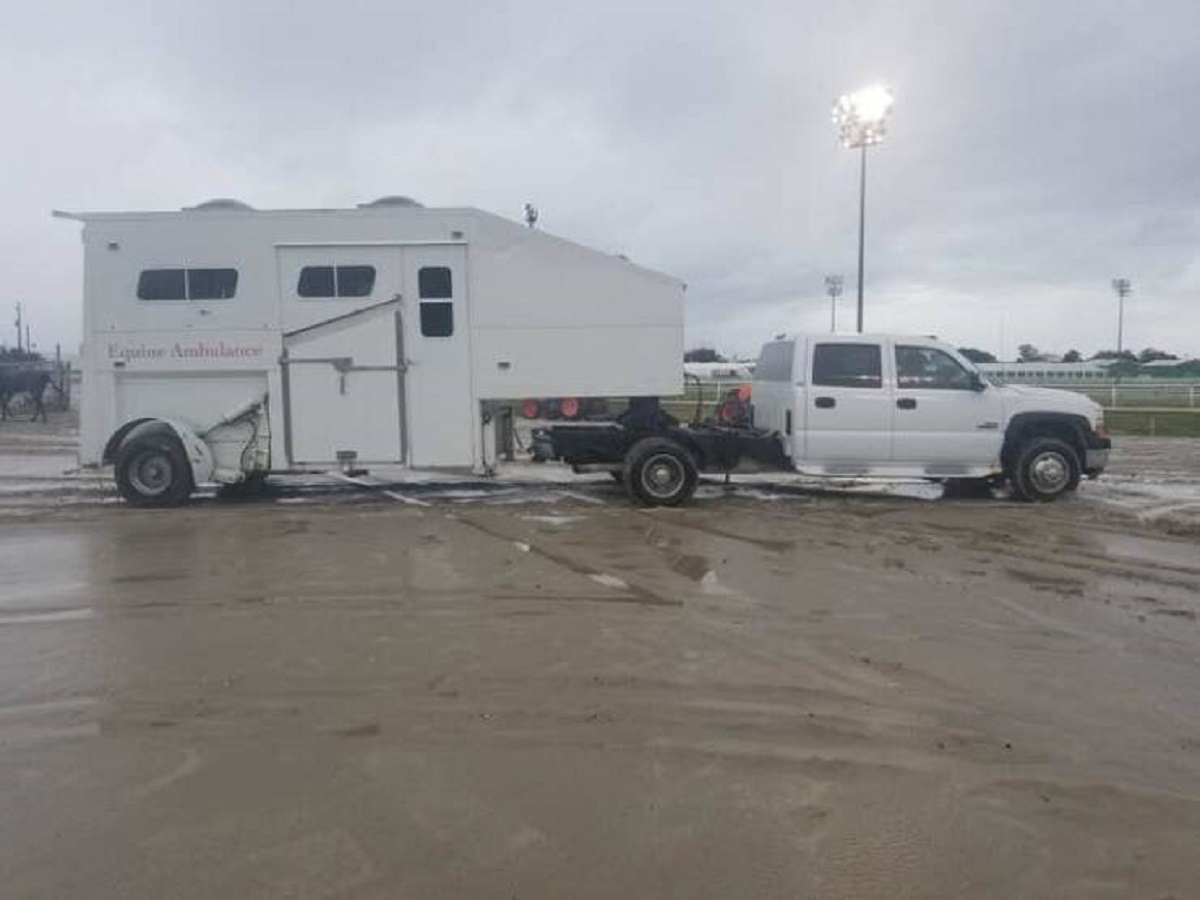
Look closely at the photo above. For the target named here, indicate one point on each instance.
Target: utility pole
(833, 287)
(19, 329)
(1123, 288)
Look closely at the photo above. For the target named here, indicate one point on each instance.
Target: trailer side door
(439, 406)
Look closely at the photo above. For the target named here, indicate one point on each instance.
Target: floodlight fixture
(861, 117)
(833, 287)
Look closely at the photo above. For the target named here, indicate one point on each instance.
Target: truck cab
(893, 406)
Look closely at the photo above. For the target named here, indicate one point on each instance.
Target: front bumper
(1095, 458)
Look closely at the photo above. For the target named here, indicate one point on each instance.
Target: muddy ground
(406, 690)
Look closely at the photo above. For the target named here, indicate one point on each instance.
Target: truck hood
(1021, 398)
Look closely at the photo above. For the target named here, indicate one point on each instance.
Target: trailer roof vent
(392, 200)
(221, 204)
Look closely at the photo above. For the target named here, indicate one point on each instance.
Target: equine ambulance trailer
(222, 342)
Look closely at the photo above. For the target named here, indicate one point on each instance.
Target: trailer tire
(153, 470)
(659, 472)
(1044, 469)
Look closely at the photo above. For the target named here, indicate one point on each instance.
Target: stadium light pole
(861, 119)
(833, 287)
(1123, 287)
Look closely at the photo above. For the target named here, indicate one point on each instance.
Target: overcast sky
(1037, 149)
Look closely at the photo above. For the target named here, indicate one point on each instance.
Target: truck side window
(848, 365)
(435, 289)
(931, 368)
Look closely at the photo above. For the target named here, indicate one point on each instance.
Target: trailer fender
(197, 452)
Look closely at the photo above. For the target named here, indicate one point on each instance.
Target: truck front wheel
(659, 472)
(153, 470)
(1044, 469)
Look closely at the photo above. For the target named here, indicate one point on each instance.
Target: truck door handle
(906, 403)
(826, 403)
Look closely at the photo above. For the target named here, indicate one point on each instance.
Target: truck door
(439, 407)
(848, 413)
(942, 423)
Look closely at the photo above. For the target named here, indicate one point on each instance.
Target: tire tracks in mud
(634, 592)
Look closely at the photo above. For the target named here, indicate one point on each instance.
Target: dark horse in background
(17, 380)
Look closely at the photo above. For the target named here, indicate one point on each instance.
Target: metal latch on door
(343, 365)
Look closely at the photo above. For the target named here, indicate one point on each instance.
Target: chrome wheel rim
(1049, 472)
(663, 476)
(151, 473)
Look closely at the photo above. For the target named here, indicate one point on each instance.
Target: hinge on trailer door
(342, 365)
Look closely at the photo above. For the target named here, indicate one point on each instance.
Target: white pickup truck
(877, 406)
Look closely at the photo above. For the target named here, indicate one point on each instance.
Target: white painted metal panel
(356, 410)
(440, 408)
(600, 361)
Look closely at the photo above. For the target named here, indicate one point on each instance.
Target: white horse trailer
(223, 343)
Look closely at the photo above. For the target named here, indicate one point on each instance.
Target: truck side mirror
(977, 382)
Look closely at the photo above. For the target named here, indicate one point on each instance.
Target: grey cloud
(1036, 148)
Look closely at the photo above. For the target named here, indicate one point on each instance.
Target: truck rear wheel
(153, 470)
(659, 472)
(1044, 469)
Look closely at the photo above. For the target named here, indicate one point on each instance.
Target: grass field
(1154, 422)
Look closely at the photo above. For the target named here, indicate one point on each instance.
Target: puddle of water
(690, 566)
(62, 704)
(554, 520)
(611, 581)
(58, 615)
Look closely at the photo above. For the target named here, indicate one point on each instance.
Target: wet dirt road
(817, 696)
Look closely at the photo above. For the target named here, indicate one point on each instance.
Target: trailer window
(162, 284)
(848, 365)
(316, 281)
(437, 319)
(211, 284)
(355, 281)
(434, 283)
(336, 281)
(187, 284)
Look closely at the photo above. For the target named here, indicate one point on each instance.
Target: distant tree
(1150, 354)
(12, 354)
(703, 355)
(1029, 353)
(977, 356)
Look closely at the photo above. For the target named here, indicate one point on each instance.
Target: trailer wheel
(530, 409)
(659, 472)
(153, 470)
(570, 408)
(1045, 468)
